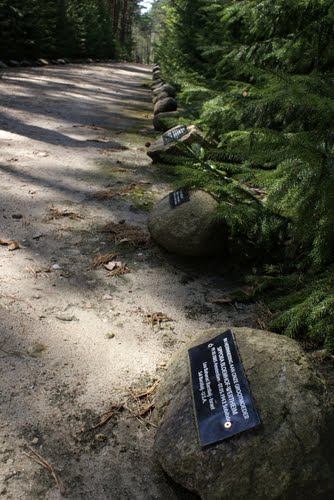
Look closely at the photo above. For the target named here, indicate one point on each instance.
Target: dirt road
(77, 339)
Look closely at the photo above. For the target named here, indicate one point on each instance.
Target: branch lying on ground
(41, 461)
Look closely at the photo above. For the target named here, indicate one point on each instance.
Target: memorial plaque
(222, 399)
(174, 134)
(177, 198)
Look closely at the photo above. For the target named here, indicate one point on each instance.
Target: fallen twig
(146, 392)
(57, 213)
(155, 319)
(106, 417)
(126, 233)
(41, 461)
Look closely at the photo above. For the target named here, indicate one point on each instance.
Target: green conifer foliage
(259, 77)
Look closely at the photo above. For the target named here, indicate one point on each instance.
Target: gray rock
(168, 104)
(157, 83)
(66, 317)
(13, 63)
(188, 229)
(169, 89)
(156, 75)
(156, 68)
(158, 97)
(291, 456)
(166, 146)
(61, 61)
(25, 63)
(43, 62)
(3, 65)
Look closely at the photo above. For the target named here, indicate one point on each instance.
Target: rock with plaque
(175, 134)
(176, 198)
(209, 437)
(184, 223)
(222, 398)
(167, 144)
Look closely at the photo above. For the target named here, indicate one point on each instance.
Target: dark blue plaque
(223, 403)
(177, 198)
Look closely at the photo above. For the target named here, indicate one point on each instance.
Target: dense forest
(67, 28)
(258, 78)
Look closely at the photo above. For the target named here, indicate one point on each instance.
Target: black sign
(222, 398)
(174, 134)
(178, 197)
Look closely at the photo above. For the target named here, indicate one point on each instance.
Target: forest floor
(78, 343)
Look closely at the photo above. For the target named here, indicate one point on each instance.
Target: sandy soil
(75, 340)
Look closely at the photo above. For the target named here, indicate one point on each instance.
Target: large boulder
(169, 89)
(155, 84)
(290, 456)
(189, 228)
(156, 75)
(168, 143)
(168, 104)
(160, 96)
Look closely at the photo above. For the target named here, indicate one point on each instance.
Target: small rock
(36, 350)
(101, 438)
(17, 216)
(37, 236)
(56, 267)
(107, 297)
(35, 440)
(66, 317)
(36, 296)
(110, 335)
(10, 461)
(43, 62)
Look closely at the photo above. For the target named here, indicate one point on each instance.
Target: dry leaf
(155, 319)
(101, 259)
(123, 233)
(12, 244)
(119, 269)
(56, 213)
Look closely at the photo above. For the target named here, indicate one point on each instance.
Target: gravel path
(77, 341)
